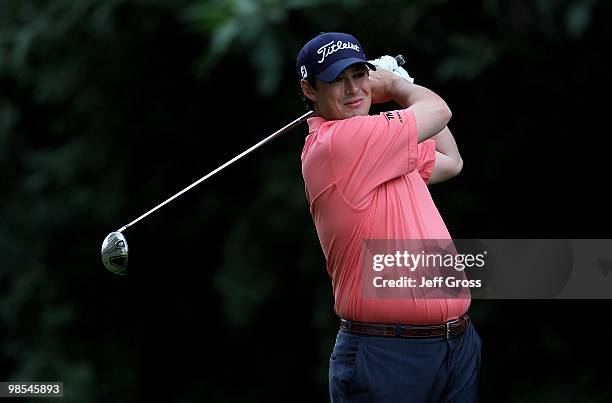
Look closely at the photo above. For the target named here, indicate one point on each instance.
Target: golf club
(115, 247)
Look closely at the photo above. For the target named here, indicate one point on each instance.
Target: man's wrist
(400, 91)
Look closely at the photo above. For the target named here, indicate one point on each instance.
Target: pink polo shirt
(366, 179)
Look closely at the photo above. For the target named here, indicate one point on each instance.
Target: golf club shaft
(284, 129)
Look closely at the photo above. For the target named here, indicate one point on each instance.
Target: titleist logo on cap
(332, 47)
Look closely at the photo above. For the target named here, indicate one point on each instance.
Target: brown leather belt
(447, 330)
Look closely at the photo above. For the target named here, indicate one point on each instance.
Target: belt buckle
(448, 329)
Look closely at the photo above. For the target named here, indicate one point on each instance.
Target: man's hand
(381, 82)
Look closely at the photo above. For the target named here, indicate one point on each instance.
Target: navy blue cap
(328, 54)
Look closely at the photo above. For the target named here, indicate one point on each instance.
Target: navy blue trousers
(375, 369)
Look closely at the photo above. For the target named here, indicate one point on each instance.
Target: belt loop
(398, 330)
(350, 325)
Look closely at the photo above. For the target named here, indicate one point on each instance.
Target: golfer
(366, 178)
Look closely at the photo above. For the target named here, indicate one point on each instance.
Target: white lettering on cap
(332, 48)
(303, 71)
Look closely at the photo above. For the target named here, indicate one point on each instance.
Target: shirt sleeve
(426, 158)
(367, 151)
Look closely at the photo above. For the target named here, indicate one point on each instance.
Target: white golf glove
(389, 63)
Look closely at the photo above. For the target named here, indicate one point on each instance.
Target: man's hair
(307, 102)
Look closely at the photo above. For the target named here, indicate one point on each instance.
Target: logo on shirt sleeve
(394, 115)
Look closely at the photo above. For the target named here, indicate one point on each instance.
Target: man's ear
(307, 90)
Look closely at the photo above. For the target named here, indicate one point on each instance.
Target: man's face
(347, 96)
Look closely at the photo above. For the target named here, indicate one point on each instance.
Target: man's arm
(430, 111)
(448, 160)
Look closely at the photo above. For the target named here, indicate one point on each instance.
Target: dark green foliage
(109, 107)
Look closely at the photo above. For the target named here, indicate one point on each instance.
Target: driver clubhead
(115, 253)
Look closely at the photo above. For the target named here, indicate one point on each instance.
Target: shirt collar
(315, 123)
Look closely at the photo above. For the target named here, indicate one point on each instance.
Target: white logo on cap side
(304, 72)
(332, 48)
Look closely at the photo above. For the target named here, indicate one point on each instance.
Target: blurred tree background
(108, 107)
